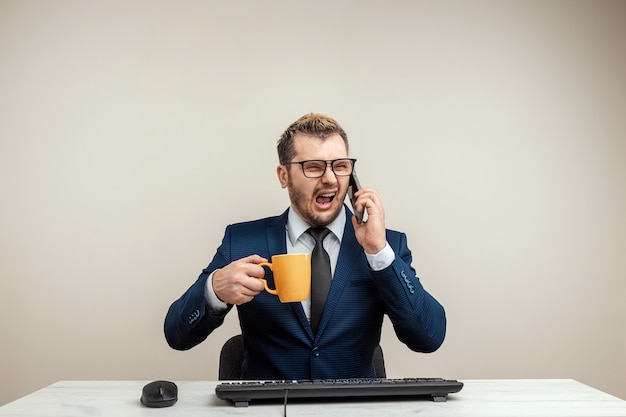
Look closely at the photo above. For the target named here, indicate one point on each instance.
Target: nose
(329, 176)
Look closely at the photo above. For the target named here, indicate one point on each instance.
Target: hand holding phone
(353, 187)
(370, 233)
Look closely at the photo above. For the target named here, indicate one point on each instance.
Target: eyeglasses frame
(326, 163)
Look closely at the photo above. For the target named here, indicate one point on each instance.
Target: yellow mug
(292, 276)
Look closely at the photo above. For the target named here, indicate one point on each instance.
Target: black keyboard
(242, 392)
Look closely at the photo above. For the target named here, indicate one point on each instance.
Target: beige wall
(132, 132)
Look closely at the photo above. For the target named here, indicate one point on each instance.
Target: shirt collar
(296, 226)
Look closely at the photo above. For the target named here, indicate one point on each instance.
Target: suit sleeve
(189, 321)
(418, 319)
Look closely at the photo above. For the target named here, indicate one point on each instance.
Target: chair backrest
(231, 358)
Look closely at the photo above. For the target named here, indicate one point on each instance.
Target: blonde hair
(313, 124)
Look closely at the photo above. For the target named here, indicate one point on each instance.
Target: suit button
(194, 316)
(316, 352)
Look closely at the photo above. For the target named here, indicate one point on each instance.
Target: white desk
(479, 398)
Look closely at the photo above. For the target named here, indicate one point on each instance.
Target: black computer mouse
(159, 394)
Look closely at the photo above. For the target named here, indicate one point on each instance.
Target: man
(371, 274)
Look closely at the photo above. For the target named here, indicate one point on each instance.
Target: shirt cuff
(382, 259)
(216, 306)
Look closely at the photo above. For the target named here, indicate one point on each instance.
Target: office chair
(231, 358)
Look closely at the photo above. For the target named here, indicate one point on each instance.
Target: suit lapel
(277, 244)
(276, 235)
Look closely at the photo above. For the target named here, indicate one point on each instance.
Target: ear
(283, 175)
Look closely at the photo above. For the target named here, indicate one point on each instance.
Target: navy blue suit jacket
(279, 342)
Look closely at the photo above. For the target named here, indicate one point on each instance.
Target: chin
(320, 219)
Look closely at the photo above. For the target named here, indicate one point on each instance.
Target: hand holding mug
(238, 282)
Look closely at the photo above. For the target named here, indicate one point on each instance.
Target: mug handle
(268, 289)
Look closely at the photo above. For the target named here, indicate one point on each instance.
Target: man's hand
(371, 233)
(238, 282)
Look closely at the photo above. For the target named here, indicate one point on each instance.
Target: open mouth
(325, 199)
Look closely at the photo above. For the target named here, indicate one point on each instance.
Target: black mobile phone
(353, 187)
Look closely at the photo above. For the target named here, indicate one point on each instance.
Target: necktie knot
(319, 233)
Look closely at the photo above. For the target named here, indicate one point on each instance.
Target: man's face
(317, 200)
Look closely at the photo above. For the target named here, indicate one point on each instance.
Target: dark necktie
(320, 275)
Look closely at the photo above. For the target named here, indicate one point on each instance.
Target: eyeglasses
(316, 168)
